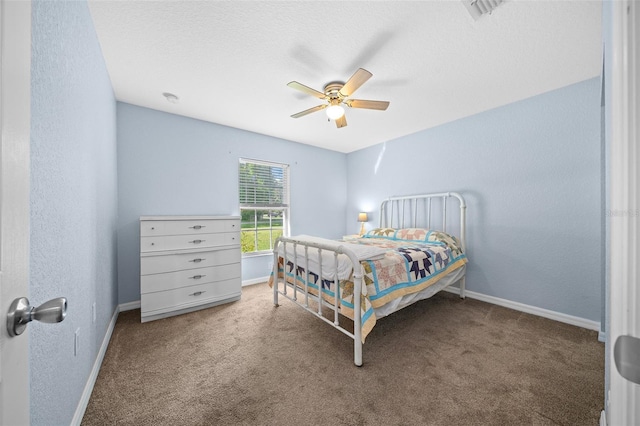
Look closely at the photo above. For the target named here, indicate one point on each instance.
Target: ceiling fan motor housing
(332, 91)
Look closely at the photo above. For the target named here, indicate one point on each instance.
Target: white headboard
(423, 211)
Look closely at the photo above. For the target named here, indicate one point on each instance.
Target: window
(264, 204)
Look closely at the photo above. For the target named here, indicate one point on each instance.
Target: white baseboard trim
(602, 336)
(91, 381)
(129, 306)
(517, 306)
(255, 281)
(603, 418)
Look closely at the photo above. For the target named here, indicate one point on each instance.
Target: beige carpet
(442, 361)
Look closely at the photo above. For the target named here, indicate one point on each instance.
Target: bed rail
(321, 302)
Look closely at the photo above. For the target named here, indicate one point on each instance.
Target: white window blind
(263, 184)
(264, 204)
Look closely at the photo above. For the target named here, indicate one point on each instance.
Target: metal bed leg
(357, 315)
(357, 352)
(275, 274)
(462, 287)
(275, 292)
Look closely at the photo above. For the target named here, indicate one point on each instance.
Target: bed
(404, 260)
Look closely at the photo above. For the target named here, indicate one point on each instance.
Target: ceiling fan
(336, 94)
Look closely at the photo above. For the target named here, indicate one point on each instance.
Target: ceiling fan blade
(359, 103)
(342, 121)
(309, 111)
(357, 79)
(306, 89)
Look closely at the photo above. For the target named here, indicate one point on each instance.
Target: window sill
(257, 254)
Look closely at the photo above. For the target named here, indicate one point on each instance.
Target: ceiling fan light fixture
(335, 111)
(335, 94)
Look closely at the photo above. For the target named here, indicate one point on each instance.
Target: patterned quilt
(414, 260)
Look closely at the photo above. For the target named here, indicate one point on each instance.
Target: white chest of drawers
(188, 263)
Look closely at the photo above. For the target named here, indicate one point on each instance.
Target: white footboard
(300, 293)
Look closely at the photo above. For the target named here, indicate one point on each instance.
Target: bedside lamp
(362, 217)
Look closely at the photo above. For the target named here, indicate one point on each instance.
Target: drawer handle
(197, 241)
(198, 226)
(197, 277)
(197, 293)
(198, 260)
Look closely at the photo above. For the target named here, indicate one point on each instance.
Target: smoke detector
(171, 97)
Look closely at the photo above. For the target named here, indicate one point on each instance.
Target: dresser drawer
(188, 242)
(185, 297)
(190, 277)
(187, 227)
(158, 263)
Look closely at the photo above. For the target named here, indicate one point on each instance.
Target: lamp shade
(362, 217)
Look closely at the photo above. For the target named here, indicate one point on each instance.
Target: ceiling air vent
(478, 8)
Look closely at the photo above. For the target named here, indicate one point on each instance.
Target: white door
(15, 81)
(624, 395)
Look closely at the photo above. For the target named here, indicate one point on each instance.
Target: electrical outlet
(76, 343)
(93, 311)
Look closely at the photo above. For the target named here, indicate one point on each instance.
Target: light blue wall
(172, 165)
(73, 203)
(530, 172)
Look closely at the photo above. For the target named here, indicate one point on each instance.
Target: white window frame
(281, 205)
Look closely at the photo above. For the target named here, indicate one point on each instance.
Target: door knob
(626, 354)
(22, 313)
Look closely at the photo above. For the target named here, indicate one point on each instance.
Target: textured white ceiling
(229, 61)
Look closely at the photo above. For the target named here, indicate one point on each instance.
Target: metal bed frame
(394, 211)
